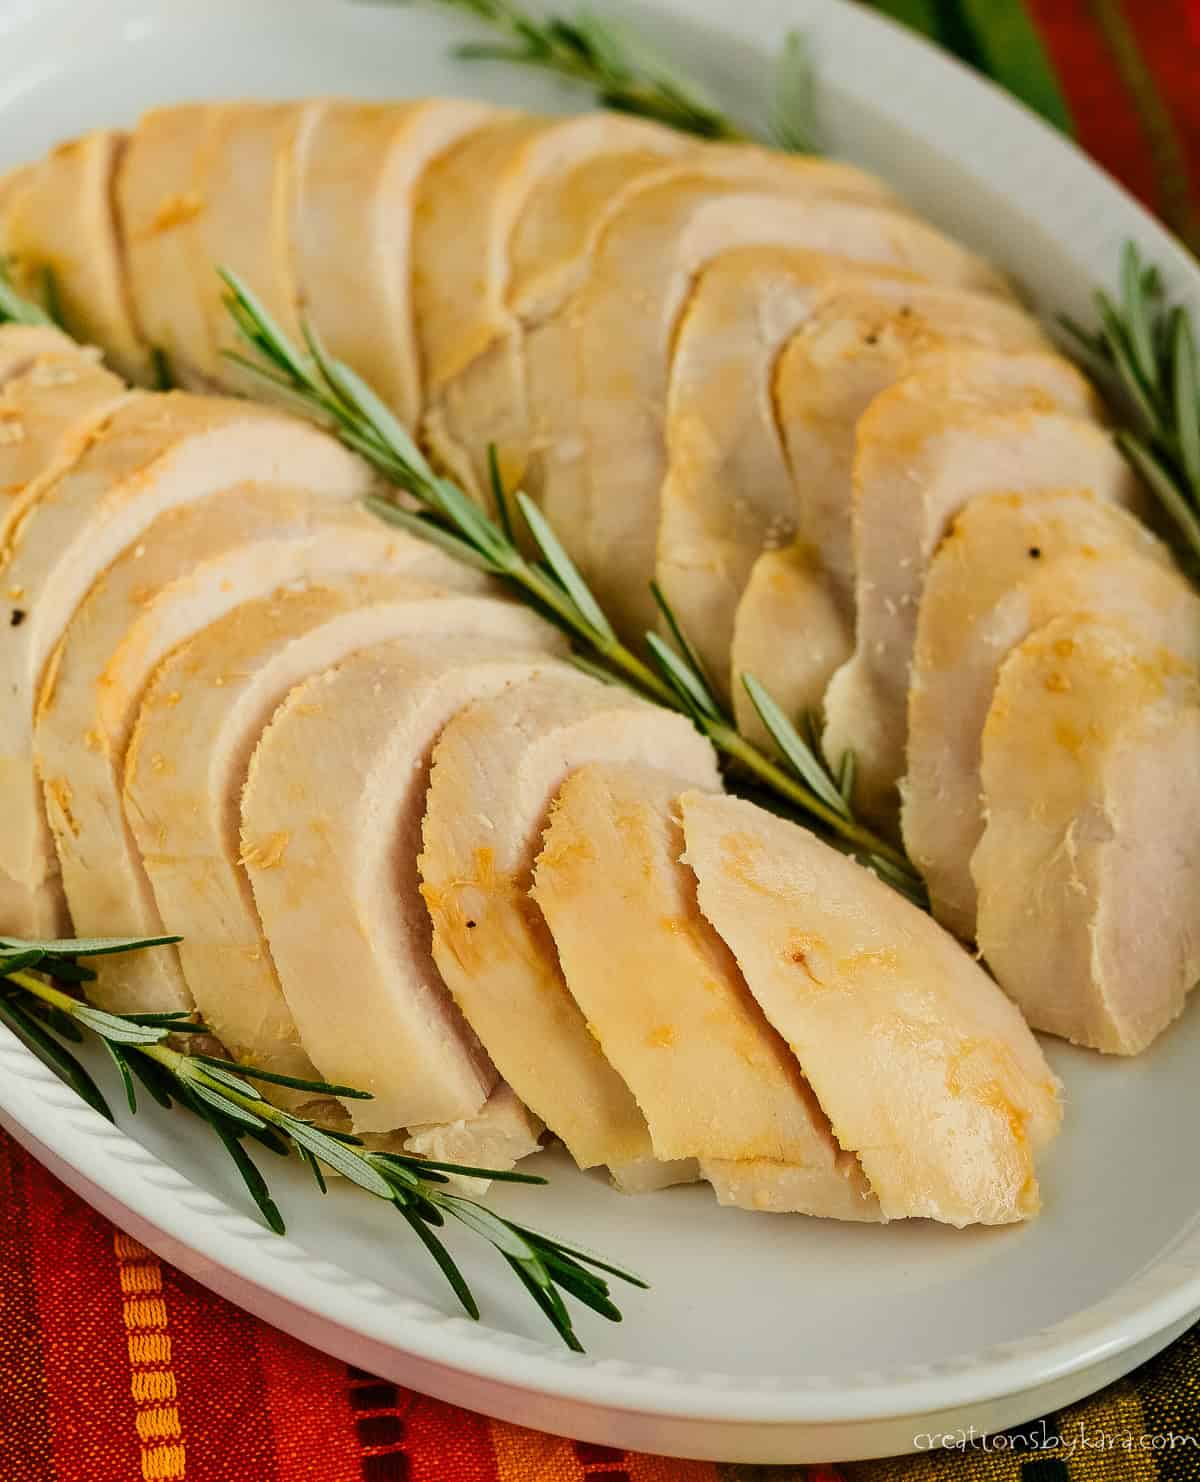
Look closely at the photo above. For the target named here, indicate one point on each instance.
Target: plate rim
(850, 45)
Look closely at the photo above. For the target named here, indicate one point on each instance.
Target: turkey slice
(1089, 865)
(861, 338)
(969, 422)
(65, 249)
(51, 408)
(154, 454)
(1010, 564)
(189, 568)
(728, 491)
(923, 1066)
(518, 383)
(158, 205)
(22, 344)
(331, 824)
(604, 432)
(244, 178)
(509, 213)
(356, 172)
(664, 998)
(199, 721)
(497, 769)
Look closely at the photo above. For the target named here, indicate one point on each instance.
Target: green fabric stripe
(996, 36)
(956, 33)
(919, 14)
(1012, 52)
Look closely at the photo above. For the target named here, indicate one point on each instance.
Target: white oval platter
(763, 1339)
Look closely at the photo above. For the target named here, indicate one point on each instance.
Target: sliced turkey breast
(965, 424)
(497, 768)
(790, 633)
(498, 1137)
(509, 213)
(65, 250)
(158, 204)
(356, 172)
(331, 822)
(22, 344)
(185, 768)
(191, 566)
(923, 1067)
(548, 421)
(728, 491)
(664, 998)
(860, 339)
(605, 460)
(154, 454)
(245, 181)
(1010, 564)
(1089, 865)
(55, 402)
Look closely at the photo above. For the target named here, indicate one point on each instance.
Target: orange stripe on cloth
(24, 1412)
(530, 1456)
(152, 1383)
(84, 1336)
(662, 1469)
(307, 1410)
(221, 1385)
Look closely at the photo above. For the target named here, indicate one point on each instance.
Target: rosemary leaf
(499, 1232)
(804, 761)
(52, 1054)
(314, 1166)
(221, 1103)
(54, 1019)
(445, 1261)
(1139, 335)
(158, 1082)
(426, 529)
(683, 643)
(255, 1072)
(544, 1297)
(1174, 499)
(1185, 385)
(15, 962)
(87, 946)
(17, 310)
(208, 1069)
(793, 121)
(335, 1154)
(119, 1031)
(566, 573)
(118, 1057)
(585, 1257)
(688, 685)
(251, 1177)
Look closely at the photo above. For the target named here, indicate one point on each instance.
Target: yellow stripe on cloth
(151, 1381)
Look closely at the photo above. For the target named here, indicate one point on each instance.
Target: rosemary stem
(727, 740)
(45, 991)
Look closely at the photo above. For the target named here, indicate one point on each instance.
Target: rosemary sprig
(14, 309)
(625, 75)
(330, 392)
(36, 1006)
(1148, 348)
